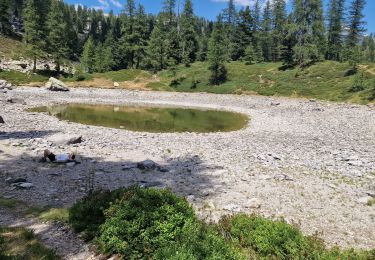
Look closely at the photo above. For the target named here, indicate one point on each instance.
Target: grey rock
(232, 207)
(17, 180)
(355, 163)
(24, 185)
(16, 101)
(5, 85)
(64, 139)
(147, 165)
(364, 200)
(74, 140)
(55, 85)
(254, 203)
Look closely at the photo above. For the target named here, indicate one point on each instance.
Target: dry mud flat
(311, 163)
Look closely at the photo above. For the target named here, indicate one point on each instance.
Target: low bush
(138, 223)
(143, 221)
(263, 238)
(199, 241)
(88, 213)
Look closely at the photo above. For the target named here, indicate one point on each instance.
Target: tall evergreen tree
(189, 43)
(157, 46)
(335, 29)
(310, 31)
(128, 39)
(5, 15)
(35, 29)
(266, 37)
(244, 32)
(141, 36)
(278, 23)
(57, 33)
(88, 55)
(217, 54)
(356, 22)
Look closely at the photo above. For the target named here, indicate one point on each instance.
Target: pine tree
(88, 55)
(171, 34)
(57, 33)
(35, 29)
(5, 15)
(318, 29)
(288, 43)
(356, 22)
(108, 61)
(157, 46)
(128, 39)
(310, 31)
(256, 22)
(266, 37)
(141, 36)
(244, 32)
(230, 18)
(335, 30)
(250, 57)
(217, 54)
(278, 23)
(356, 30)
(189, 43)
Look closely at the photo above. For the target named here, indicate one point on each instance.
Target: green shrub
(2, 247)
(358, 84)
(199, 241)
(267, 238)
(88, 214)
(143, 221)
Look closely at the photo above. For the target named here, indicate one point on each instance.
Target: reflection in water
(148, 119)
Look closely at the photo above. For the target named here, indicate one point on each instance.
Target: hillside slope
(326, 80)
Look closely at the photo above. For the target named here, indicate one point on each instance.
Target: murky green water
(148, 119)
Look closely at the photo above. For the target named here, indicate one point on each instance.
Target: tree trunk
(34, 67)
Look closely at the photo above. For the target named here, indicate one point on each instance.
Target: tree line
(265, 32)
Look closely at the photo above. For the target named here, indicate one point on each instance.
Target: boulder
(147, 165)
(64, 139)
(5, 85)
(1, 120)
(116, 84)
(55, 85)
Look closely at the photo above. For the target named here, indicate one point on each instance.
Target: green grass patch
(123, 75)
(8, 203)
(326, 81)
(19, 243)
(138, 223)
(48, 214)
(18, 78)
(13, 49)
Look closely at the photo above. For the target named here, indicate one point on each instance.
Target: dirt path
(57, 237)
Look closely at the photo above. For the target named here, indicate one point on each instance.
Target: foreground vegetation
(138, 223)
(19, 243)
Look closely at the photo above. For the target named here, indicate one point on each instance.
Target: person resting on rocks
(59, 158)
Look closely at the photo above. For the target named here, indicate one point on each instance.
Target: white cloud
(103, 5)
(116, 3)
(237, 2)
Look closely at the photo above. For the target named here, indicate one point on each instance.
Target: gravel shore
(309, 162)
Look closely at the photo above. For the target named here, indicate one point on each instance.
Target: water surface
(148, 119)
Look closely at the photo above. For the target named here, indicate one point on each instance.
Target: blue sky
(206, 8)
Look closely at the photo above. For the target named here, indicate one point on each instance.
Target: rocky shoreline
(311, 163)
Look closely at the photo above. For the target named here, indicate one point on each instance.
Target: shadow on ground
(60, 185)
(25, 134)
